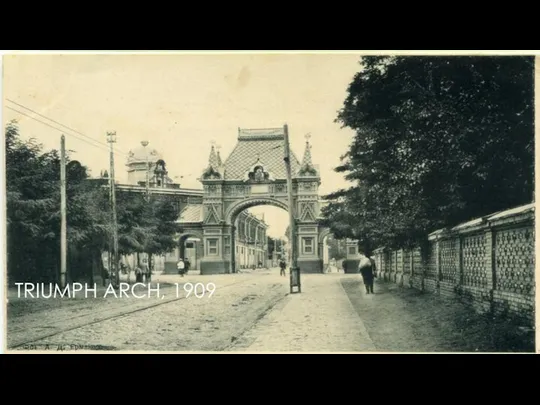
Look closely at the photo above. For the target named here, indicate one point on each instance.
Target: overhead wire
(53, 127)
(101, 145)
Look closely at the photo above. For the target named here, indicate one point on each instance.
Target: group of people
(143, 272)
(366, 267)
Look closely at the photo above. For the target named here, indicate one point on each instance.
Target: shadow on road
(407, 320)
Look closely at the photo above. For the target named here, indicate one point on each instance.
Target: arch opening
(332, 251)
(190, 248)
(257, 234)
(236, 209)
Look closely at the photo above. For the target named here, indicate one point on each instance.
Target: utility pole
(111, 138)
(145, 144)
(294, 270)
(63, 214)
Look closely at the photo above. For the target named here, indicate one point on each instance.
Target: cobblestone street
(320, 319)
(255, 313)
(171, 324)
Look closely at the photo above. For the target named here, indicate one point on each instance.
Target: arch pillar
(353, 257)
(233, 249)
(308, 248)
(217, 249)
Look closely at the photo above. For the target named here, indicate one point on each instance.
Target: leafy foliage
(439, 140)
(275, 244)
(337, 248)
(33, 201)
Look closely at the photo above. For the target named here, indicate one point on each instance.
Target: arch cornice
(323, 234)
(239, 206)
(197, 233)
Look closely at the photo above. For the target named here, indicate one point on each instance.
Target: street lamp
(294, 270)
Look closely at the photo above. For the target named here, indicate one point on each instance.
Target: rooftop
(140, 153)
(192, 213)
(265, 145)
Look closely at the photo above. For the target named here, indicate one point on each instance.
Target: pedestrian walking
(366, 267)
(373, 266)
(181, 266)
(138, 274)
(145, 269)
(150, 271)
(282, 266)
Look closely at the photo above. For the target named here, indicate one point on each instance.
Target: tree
(144, 226)
(337, 248)
(159, 226)
(274, 244)
(439, 140)
(33, 216)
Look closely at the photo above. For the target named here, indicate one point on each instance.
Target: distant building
(148, 163)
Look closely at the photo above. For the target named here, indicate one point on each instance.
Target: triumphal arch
(255, 174)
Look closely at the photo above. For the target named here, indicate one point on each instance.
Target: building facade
(251, 241)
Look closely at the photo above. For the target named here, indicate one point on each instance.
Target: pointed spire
(306, 167)
(306, 162)
(213, 159)
(214, 169)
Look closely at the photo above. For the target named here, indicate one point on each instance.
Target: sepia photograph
(268, 202)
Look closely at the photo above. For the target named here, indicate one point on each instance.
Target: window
(352, 250)
(307, 246)
(189, 245)
(212, 247)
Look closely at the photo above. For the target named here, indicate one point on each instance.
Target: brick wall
(488, 262)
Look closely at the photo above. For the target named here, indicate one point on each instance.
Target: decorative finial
(218, 147)
(144, 143)
(307, 136)
(213, 143)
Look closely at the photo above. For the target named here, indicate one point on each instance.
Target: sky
(181, 103)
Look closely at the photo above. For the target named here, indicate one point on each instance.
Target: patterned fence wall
(488, 262)
(418, 269)
(399, 267)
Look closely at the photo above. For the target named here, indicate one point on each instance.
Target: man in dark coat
(282, 266)
(367, 269)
